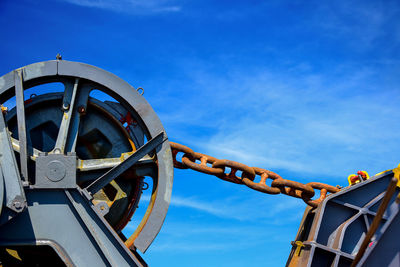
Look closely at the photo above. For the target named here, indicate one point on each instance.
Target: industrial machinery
(72, 171)
(76, 145)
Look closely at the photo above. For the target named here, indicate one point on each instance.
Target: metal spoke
(68, 107)
(108, 163)
(19, 95)
(35, 152)
(125, 165)
(78, 110)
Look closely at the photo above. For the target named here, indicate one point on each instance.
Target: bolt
(4, 109)
(82, 110)
(66, 106)
(17, 204)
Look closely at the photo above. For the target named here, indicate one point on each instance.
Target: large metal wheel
(103, 121)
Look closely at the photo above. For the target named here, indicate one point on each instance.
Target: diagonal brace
(15, 195)
(106, 178)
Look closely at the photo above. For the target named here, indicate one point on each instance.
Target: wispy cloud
(189, 246)
(197, 236)
(319, 123)
(310, 117)
(129, 6)
(245, 224)
(242, 211)
(360, 22)
(192, 203)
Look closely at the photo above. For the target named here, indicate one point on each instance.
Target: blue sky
(309, 90)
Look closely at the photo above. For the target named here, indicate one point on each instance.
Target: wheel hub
(55, 171)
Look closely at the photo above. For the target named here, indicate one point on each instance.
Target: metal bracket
(56, 171)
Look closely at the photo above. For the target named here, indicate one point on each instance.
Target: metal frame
(76, 201)
(332, 234)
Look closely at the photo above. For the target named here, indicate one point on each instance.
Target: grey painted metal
(13, 191)
(55, 171)
(68, 107)
(332, 234)
(81, 102)
(86, 240)
(108, 241)
(43, 72)
(126, 164)
(29, 73)
(23, 150)
(1, 190)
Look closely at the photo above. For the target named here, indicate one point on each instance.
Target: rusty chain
(217, 167)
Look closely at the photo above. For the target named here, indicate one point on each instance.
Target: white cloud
(325, 124)
(199, 205)
(192, 203)
(242, 211)
(129, 6)
(192, 246)
(203, 236)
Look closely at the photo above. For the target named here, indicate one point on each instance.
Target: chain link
(217, 167)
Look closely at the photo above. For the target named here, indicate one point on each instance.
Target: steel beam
(105, 179)
(23, 147)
